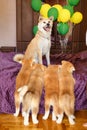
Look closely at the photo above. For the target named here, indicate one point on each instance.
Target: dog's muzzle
(47, 27)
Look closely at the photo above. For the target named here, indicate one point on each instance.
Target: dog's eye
(44, 22)
(48, 21)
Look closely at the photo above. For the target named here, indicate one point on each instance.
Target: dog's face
(45, 24)
(68, 66)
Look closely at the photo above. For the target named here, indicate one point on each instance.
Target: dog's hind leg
(17, 105)
(47, 109)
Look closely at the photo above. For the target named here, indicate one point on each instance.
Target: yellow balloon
(76, 18)
(64, 15)
(44, 10)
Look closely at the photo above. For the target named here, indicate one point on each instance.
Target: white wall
(8, 23)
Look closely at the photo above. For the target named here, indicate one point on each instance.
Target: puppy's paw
(45, 117)
(58, 121)
(23, 114)
(26, 123)
(71, 120)
(72, 116)
(60, 118)
(15, 114)
(35, 121)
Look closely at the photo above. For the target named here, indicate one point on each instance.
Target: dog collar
(43, 36)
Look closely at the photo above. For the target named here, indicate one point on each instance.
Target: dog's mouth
(47, 29)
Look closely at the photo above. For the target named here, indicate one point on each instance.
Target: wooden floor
(9, 122)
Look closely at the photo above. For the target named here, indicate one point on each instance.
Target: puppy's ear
(51, 18)
(33, 62)
(63, 61)
(59, 68)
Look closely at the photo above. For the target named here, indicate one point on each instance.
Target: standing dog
(32, 96)
(51, 91)
(22, 79)
(41, 43)
(66, 92)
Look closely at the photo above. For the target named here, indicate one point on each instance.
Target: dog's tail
(18, 58)
(22, 91)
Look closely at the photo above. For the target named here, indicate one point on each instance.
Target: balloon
(36, 5)
(76, 17)
(62, 28)
(64, 15)
(35, 29)
(70, 8)
(44, 10)
(53, 12)
(58, 7)
(73, 2)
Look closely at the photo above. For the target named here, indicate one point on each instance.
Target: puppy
(32, 96)
(66, 92)
(51, 91)
(41, 43)
(22, 79)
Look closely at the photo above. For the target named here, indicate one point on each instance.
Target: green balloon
(73, 2)
(36, 5)
(62, 28)
(35, 29)
(70, 8)
(53, 12)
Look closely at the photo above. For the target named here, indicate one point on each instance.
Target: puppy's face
(45, 24)
(68, 66)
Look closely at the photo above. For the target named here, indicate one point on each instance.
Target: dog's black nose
(48, 24)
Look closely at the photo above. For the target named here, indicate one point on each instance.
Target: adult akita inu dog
(41, 43)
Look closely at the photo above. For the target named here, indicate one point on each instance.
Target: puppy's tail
(23, 90)
(18, 58)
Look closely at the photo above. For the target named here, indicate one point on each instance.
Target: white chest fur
(44, 45)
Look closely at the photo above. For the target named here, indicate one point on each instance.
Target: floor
(9, 122)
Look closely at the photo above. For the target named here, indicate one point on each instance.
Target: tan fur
(22, 79)
(51, 91)
(29, 84)
(41, 43)
(31, 99)
(66, 91)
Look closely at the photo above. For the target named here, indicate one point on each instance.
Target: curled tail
(18, 58)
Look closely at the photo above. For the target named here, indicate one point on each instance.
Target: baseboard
(7, 49)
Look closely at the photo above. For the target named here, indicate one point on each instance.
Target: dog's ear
(63, 61)
(59, 68)
(51, 18)
(40, 17)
